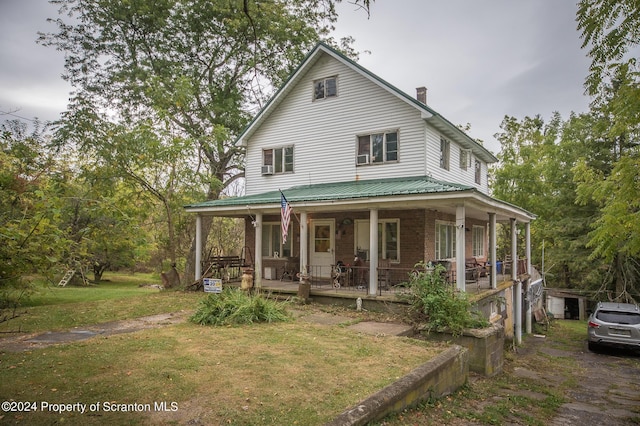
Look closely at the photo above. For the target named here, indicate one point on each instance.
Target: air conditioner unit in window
(267, 170)
(362, 159)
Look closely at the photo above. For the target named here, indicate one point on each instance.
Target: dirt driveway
(608, 393)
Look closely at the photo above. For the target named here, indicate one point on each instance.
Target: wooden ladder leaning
(67, 277)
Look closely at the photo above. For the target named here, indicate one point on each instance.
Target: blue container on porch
(499, 267)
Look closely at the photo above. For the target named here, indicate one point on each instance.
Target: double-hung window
(445, 147)
(388, 239)
(377, 148)
(478, 240)
(445, 240)
(478, 172)
(325, 88)
(465, 158)
(280, 159)
(272, 240)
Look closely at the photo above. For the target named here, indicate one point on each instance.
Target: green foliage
(438, 304)
(180, 81)
(31, 240)
(610, 29)
(234, 306)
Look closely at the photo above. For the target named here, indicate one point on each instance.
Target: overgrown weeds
(234, 306)
(438, 305)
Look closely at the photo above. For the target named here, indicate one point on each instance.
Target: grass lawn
(119, 297)
(272, 374)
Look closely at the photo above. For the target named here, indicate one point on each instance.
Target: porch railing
(356, 278)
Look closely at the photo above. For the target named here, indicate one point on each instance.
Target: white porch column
(493, 250)
(257, 273)
(527, 238)
(373, 252)
(304, 242)
(517, 289)
(460, 247)
(198, 265)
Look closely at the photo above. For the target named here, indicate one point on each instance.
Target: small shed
(566, 304)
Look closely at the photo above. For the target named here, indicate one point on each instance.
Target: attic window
(325, 88)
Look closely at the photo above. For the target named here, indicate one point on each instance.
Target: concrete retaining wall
(486, 347)
(439, 376)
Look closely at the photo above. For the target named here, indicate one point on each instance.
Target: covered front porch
(365, 237)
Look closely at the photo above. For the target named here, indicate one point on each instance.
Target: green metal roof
(342, 191)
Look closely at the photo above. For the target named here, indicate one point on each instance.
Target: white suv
(614, 324)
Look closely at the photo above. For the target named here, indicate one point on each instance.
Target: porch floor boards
(325, 288)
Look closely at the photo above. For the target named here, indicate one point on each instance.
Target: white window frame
(383, 137)
(272, 238)
(449, 250)
(465, 159)
(361, 242)
(478, 172)
(478, 236)
(325, 94)
(283, 165)
(445, 153)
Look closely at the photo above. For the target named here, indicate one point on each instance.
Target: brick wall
(417, 233)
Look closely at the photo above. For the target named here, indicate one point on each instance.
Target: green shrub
(234, 306)
(438, 304)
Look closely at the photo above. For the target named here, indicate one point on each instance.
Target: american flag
(285, 213)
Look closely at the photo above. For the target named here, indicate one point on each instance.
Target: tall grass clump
(234, 306)
(436, 303)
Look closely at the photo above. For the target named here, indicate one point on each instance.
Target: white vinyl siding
(324, 132)
(455, 174)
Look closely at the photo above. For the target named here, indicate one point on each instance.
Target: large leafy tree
(611, 31)
(535, 172)
(165, 84)
(31, 241)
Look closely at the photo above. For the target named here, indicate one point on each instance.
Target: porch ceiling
(383, 194)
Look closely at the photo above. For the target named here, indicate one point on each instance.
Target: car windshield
(630, 318)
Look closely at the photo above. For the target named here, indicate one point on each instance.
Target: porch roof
(411, 192)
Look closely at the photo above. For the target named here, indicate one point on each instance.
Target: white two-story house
(369, 171)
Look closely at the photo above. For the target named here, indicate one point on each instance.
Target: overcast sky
(479, 59)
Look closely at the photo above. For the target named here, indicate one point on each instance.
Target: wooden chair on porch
(290, 269)
(507, 265)
(472, 270)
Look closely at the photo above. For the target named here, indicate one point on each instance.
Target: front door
(322, 250)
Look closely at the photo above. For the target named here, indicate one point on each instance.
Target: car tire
(593, 347)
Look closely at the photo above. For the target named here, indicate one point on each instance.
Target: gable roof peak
(428, 114)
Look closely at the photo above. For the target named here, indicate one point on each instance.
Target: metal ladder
(67, 277)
